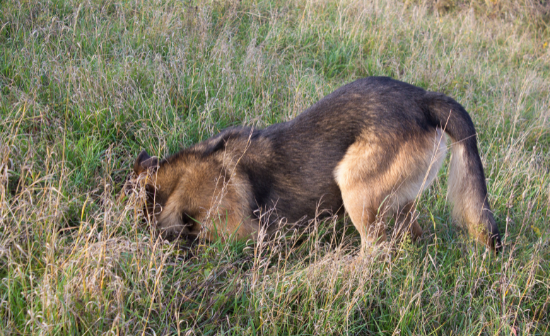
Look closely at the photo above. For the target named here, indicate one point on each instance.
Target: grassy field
(84, 86)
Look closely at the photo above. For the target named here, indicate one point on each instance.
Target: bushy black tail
(467, 189)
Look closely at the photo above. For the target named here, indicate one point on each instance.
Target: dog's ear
(144, 162)
(216, 145)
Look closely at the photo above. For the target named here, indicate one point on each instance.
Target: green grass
(85, 86)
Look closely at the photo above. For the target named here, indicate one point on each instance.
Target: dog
(368, 149)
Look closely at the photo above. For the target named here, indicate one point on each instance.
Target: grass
(84, 86)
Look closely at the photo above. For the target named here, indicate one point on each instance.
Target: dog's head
(170, 206)
(194, 193)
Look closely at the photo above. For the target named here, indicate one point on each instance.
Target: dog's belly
(294, 191)
(309, 202)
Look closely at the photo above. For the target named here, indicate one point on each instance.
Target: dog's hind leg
(405, 221)
(380, 175)
(363, 213)
(363, 197)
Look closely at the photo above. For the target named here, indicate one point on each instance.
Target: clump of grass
(532, 14)
(86, 85)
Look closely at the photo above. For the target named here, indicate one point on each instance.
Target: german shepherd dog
(369, 148)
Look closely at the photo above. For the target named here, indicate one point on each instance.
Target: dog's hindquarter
(381, 176)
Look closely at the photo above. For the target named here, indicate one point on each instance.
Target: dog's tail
(467, 189)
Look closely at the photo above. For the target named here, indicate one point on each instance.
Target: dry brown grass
(85, 86)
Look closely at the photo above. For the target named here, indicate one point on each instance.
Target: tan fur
(369, 193)
(468, 206)
(216, 198)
